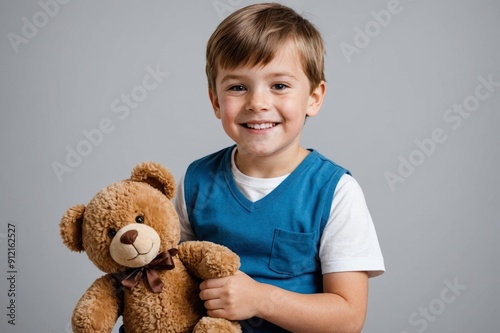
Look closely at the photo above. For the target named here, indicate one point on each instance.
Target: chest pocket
(293, 253)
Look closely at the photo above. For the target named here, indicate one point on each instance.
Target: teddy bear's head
(126, 224)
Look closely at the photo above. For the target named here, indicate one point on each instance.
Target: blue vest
(276, 237)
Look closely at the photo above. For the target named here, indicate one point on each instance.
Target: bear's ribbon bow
(163, 261)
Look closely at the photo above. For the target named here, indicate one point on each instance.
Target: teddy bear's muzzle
(135, 245)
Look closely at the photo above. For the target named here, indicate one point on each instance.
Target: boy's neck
(270, 166)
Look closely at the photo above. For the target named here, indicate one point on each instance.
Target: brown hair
(253, 35)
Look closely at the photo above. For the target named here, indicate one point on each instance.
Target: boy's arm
(340, 308)
(180, 207)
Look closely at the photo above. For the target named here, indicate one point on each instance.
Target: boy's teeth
(260, 126)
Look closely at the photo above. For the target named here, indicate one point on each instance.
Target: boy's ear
(215, 102)
(316, 99)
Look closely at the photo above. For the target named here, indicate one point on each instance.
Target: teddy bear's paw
(216, 325)
(219, 263)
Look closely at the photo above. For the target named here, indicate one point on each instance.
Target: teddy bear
(131, 232)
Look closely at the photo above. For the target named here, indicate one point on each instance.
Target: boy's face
(263, 108)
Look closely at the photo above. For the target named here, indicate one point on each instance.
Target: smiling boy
(263, 108)
(298, 221)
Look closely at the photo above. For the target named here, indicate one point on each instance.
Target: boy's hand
(341, 307)
(231, 297)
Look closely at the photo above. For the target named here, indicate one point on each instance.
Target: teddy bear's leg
(216, 325)
(98, 309)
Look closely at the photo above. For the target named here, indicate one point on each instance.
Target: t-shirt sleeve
(349, 241)
(180, 207)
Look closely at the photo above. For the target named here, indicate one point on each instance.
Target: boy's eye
(237, 87)
(279, 86)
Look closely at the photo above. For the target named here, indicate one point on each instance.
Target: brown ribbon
(163, 261)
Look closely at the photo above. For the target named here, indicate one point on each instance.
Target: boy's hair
(254, 34)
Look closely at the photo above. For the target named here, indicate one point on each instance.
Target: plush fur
(126, 225)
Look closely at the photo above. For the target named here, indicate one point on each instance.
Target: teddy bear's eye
(139, 219)
(111, 233)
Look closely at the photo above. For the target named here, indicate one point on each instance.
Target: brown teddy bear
(131, 231)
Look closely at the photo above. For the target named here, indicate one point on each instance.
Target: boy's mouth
(260, 126)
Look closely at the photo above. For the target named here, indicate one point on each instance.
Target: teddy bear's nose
(129, 237)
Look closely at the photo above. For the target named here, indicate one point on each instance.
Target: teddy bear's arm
(99, 308)
(208, 260)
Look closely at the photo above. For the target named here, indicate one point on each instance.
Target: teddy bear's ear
(155, 175)
(71, 228)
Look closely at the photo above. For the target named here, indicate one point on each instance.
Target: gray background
(437, 227)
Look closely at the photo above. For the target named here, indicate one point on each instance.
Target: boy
(298, 221)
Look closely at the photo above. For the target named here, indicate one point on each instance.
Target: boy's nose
(257, 101)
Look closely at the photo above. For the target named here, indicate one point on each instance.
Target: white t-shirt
(349, 241)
